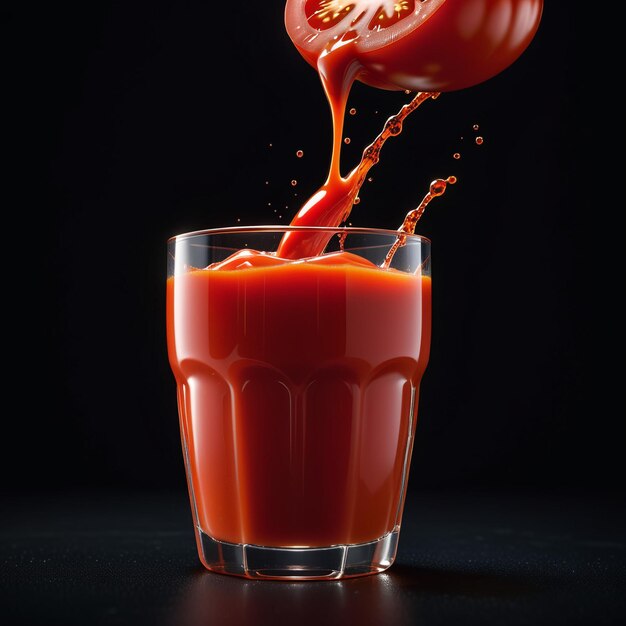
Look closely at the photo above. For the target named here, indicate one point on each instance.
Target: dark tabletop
(463, 559)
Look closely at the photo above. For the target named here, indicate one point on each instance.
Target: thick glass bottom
(325, 563)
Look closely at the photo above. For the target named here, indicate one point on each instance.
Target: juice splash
(332, 203)
(437, 188)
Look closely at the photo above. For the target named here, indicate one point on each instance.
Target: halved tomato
(427, 45)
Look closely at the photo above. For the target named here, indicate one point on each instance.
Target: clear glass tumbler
(297, 388)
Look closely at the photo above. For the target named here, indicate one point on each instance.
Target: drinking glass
(297, 388)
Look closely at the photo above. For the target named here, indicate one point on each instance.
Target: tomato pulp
(298, 391)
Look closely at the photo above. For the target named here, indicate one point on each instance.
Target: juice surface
(298, 388)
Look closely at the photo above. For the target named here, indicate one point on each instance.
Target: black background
(132, 122)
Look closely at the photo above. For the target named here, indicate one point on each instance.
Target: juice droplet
(352, 111)
(357, 200)
(407, 91)
(267, 182)
(369, 179)
(457, 155)
(451, 179)
(269, 204)
(479, 141)
(269, 145)
(294, 182)
(299, 153)
(347, 140)
(239, 219)
(342, 239)
(437, 187)
(476, 127)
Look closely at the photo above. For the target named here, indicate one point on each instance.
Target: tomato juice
(298, 391)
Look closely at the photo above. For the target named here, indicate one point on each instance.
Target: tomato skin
(462, 43)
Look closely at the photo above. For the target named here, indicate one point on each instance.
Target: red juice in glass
(297, 389)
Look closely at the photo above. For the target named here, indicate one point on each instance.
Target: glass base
(326, 563)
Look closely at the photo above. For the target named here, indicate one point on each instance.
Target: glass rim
(231, 230)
